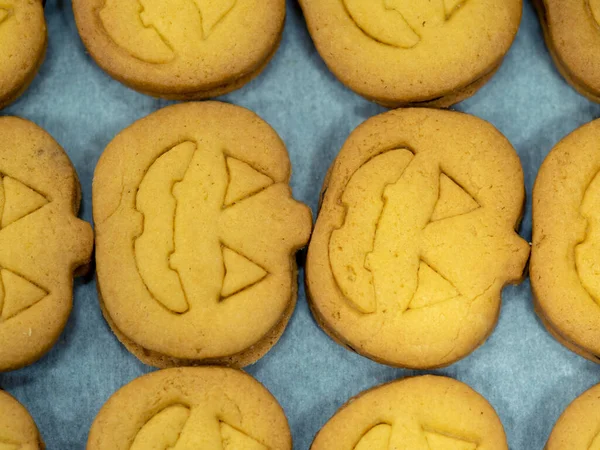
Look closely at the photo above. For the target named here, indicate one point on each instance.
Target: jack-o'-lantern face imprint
(565, 264)
(157, 32)
(179, 426)
(421, 413)
(42, 241)
(181, 49)
(185, 409)
(414, 244)
(401, 23)
(184, 198)
(197, 228)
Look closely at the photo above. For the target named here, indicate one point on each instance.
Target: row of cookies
(426, 53)
(220, 408)
(196, 231)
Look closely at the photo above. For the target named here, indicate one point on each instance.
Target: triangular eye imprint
(163, 430)
(453, 200)
(432, 288)
(244, 181)
(17, 294)
(234, 439)
(240, 273)
(17, 200)
(377, 438)
(212, 12)
(439, 441)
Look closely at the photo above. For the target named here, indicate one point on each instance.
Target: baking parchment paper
(527, 376)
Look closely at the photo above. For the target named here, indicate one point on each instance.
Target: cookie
(195, 407)
(578, 428)
(416, 237)
(572, 33)
(401, 53)
(566, 240)
(17, 429)
(421, 413)
(181, 49)
(196, 233)
(42, 242)
(22, 46)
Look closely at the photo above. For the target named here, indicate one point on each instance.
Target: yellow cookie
(22, 46)
(42, 242)
(572, 32)
(208, 408)
(407, 52)
(422, 413)
(17, 429)
(181, 49)
(565, 259)
(578, 428)
(416, 237)
(197, 230)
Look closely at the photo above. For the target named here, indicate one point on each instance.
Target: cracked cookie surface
(566, 239)
(17, 429)
(42, 242)
(421, 413)
(22, 46)
(211, 408)
(416, 237)
(578, 428)
(401, 52)
(181, 49)
(196, 232)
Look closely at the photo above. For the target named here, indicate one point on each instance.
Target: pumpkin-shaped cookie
(421, 413)
(572, 32)
(578, 428)
(17, 429)
(22, 46)
(42, 242)
(416, 237)
(192, 408)
(181, 49)
(196, 235)
(402, 52)
(565, 258)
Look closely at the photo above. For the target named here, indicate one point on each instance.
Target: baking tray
(527, 376)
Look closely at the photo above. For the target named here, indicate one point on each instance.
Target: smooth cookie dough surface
(400, 52)
(42, 242)
(22, 46)
(181, 49)
(416, 237)
(565, 259)
(572, 33)
(196, 235)
(421, 413)
(209, 408)
(17, 429)
(578, 428)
